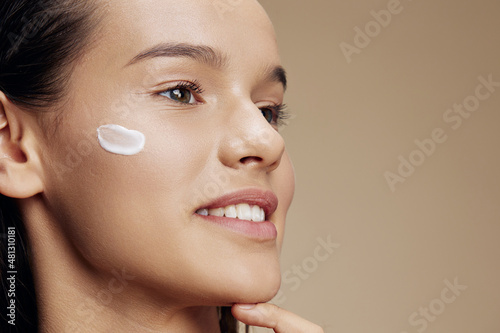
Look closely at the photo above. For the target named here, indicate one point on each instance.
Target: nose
(249, 140)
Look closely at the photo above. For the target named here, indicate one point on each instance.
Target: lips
(261, 229)
(266, 200)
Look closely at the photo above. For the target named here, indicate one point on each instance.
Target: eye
(181, 95)
(268, 113)
(185, 92)
(275, 115)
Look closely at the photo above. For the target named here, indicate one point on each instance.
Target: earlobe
(20, 175)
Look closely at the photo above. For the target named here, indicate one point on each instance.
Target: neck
(74, 297)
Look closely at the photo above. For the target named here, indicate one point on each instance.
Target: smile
(242, 211)
(247, 212)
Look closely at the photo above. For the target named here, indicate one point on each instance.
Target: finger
(271, 316)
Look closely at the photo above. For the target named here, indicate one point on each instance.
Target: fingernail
(246, 306)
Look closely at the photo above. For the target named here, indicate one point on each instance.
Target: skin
(92, 215)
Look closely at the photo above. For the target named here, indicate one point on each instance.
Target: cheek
(106, 196)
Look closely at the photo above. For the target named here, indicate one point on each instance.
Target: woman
(140, 144)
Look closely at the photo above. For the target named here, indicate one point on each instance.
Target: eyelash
(192, 86)
(280, 111)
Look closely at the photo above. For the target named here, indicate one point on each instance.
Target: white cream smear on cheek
(119, 140)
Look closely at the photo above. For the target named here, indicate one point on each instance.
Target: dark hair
(39, 43)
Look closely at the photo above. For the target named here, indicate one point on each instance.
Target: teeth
(216, 212)
(202, 212)
(244, 212)
(230, 211)
(256, 213)
(241, 211)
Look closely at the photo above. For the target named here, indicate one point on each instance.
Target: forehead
(238, 28)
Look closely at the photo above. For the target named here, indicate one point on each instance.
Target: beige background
(352, 122)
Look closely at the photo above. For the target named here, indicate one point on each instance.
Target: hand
(271, 316)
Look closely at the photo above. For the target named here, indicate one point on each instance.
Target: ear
(20, 167)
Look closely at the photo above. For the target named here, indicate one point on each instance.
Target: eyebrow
(277, 74)
(204, 54)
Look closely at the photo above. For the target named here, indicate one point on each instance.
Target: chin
(256, 288)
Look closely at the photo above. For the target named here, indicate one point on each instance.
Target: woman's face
(205, 70)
